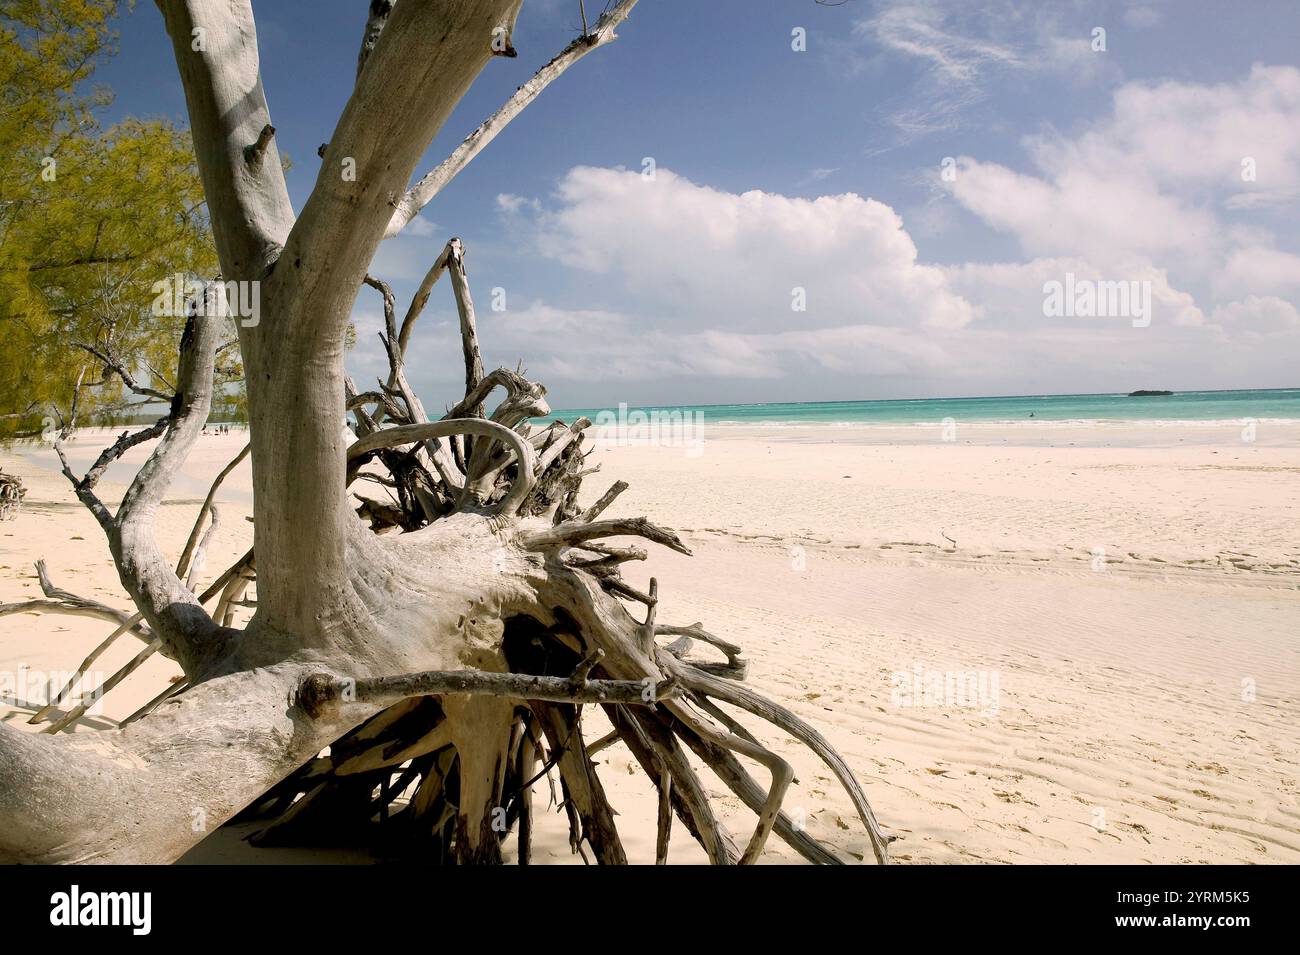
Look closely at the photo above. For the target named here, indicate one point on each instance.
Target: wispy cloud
(930, 32)
(961, 50)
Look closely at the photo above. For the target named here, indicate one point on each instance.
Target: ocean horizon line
(1222, 407)
(853, 401)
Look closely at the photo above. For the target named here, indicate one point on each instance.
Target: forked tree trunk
(451, 658)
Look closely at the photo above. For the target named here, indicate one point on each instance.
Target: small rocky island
(1148, 394)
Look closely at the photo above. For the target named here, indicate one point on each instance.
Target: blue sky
(820, 170)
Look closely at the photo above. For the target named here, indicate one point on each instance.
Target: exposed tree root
(578, 644)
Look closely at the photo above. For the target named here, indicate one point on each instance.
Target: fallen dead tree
(432, 609)
(12, 493)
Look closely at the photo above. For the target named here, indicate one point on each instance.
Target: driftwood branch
(183, 564)
(129, 625)
(124, 443)
(320, 691)
(421, 297)
(201, 551)
(407, 434)
(782, 718)
(58, 600)
(173, 611)
(606, 499)
(422, 193)
(87, 701)
(468, 325)
(574, 534)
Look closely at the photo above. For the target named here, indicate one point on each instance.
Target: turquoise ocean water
(1271, 406)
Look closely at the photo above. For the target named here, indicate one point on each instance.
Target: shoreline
(1280, 433)
(1118, 603)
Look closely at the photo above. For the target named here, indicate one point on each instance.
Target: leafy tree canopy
(91, 220)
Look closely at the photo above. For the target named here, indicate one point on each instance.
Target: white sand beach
(1114, 631)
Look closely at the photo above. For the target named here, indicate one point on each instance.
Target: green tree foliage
(91, 219)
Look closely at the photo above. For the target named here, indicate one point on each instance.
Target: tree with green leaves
(91, 219)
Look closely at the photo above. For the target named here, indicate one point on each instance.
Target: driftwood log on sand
(12, 493)
(432, 609)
